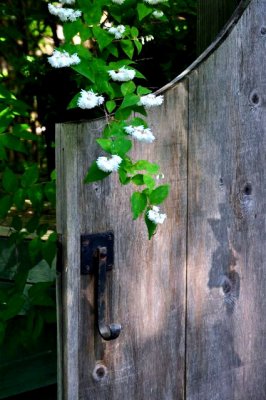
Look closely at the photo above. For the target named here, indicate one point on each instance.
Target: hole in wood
(100, 372)
(255, 98)
(263, 30)
(247, 189)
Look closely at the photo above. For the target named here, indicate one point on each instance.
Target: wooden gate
(191, 301)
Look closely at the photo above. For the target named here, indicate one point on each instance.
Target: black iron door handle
(111, 331)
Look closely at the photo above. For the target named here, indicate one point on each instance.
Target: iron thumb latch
(97, 257)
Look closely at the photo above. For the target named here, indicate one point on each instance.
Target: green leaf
(53, 175)
(110, 105)
(129, 101)
(94, 13)
(40, 294)
(141, 90)
(12, 142)
(5, 204)
(149, 181)
(134, 31)
(103, 38)
(138, 204)
(143, 11)
(113, 50)
(35, 245)
(32, 225)
(106, 144)
(138, 121)
(71, 29)
(5, 119)
(138, 45)
(95, 174)
(121, 146)
(159, 194)
(30, 176)
(13, 307)
(50, 192)
(22, 132)
(85, 68)
(128, 88)
(35, 194)
(127, 47)
(9, 181)
(119, 64)
(123, 114)
(123, 178)
(151, 226)
(49, 251)
(147, 166)
(138, 179)
(74, 102)
(16, 223)
(19, 198)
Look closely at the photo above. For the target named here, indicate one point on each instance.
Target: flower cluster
(89, 99)
(140, 133)
(64, 14)
(155, 216)
(109, 165)
(150, 100)
(117, 31)
(61, 59)
(122, 74)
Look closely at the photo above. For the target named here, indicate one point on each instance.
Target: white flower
(117, 31)
(109, 165)
(122, 74)
(67, 1)
(140, 133)
(64, 14)
(155, 216)
(153, 2)
(61, 59)
(150, 100)
(118, 1)
(147, 38)
(160, 176)
(157, 14)
(89, 99)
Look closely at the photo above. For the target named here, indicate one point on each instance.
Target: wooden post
(226, 345)
(212, 16)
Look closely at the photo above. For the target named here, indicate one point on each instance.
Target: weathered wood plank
(226, 218)
(146, 291)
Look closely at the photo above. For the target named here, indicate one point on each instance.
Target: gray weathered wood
(147, 286)
(226, 327)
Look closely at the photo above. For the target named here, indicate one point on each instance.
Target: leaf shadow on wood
(222, 273)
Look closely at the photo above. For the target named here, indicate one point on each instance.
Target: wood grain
(226, 217)
(146, 291)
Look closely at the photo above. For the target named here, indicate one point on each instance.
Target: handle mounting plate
(89, 245)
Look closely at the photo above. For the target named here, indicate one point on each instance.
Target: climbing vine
(102, 41)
